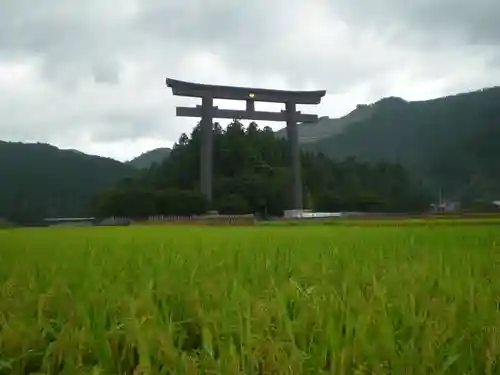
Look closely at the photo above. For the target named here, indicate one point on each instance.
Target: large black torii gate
(208, 112)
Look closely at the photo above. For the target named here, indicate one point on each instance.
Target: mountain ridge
(327, 126)
(422, 134)
(148, 158)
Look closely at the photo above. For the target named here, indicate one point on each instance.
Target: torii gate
(208, 112)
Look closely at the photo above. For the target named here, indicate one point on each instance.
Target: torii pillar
(206, 152)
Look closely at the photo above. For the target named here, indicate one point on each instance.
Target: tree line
(251, 175)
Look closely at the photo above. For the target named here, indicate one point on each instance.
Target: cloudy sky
(91, 74)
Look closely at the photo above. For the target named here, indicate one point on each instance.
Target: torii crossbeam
(250, 95)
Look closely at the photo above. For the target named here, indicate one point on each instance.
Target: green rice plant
(320, 299)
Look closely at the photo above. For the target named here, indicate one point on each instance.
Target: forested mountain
(39, 180)
(329, 127)
(148, 158)
(453, 143)
(251, 175)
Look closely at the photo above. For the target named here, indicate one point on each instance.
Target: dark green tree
(251, 175)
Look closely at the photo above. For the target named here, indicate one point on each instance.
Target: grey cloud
(106, 72)
(264, 39)
(127, 125)
(214, 23)
(248, 37)
(255, 37)
(72, 39)
(431, 21)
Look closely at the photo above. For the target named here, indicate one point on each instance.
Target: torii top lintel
(198, 90)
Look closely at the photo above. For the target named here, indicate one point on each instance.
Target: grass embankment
(261, 300)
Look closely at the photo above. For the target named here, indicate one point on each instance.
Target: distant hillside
(453, 143)
(147, 159)
(327, 127)
(40, 180)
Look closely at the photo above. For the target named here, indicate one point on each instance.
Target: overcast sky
(91, 74)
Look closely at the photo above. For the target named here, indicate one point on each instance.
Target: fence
(114, 221)
(202, 220)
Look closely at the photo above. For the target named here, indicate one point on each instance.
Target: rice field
(415, 299)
